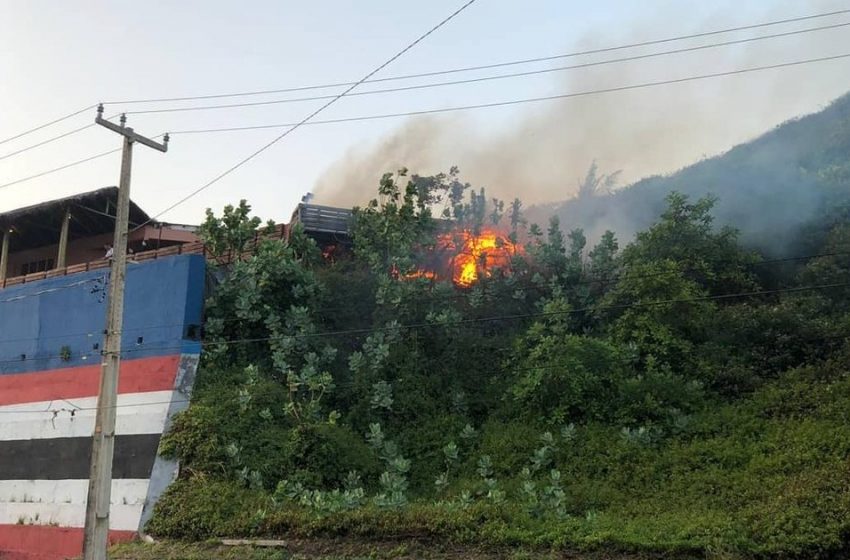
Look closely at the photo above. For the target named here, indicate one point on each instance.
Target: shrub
(198, 509)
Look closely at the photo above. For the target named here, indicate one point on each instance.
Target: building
(76, 230)
(53, 299)
(52, 318)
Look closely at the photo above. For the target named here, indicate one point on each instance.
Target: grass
(347, 549)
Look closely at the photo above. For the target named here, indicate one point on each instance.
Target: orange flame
(466, 257)
(478, 255)
(428, 274)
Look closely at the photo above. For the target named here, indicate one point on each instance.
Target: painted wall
(164, 298)
(48, 400)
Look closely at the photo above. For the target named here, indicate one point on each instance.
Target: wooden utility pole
(4, 255)
(63, 238)
(103, 440)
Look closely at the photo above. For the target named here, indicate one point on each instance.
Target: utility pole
(103, 440)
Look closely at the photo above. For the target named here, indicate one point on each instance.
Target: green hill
(678, 395)
(767, 188)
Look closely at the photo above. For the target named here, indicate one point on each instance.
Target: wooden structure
(75, 233)
(83, 226)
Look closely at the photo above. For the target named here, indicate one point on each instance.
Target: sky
(58, 57)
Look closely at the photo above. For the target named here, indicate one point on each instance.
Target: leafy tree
(229, 234)
(685, 235)
(567, 378)
(275, 289)
(661, 313)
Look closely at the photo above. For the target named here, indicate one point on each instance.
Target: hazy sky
(58, 56)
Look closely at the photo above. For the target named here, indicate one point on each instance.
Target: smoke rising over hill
(542, 150)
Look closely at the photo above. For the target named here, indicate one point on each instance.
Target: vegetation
(771, 188)
(328, 549)
(679, 395)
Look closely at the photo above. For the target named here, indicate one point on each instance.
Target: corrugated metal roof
(93, 213)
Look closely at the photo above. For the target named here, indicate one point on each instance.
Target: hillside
(768, 187)
(676, 395)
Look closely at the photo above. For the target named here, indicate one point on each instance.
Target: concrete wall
(50, 338)
(38, 319)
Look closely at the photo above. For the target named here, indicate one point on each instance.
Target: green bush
(322, 455)
(199, 508)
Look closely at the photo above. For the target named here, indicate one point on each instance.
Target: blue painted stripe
(58, 322)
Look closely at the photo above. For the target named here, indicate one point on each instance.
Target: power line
(411, 114)
(54, 289)
(45, 125)
(439, 72)
(514, 317)
(487, 66)
(472, 321)
(433, 298)
(66, 166)
(75, 407)
(59, 137)
(313, 114)
(582, 281)
(466, 322)
(489, 78)
(48, 141)
(60, 168)
(527, 100)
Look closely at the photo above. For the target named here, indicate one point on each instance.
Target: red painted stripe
(137, 376)
(46, 542)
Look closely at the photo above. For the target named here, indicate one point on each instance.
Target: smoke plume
(541, 153)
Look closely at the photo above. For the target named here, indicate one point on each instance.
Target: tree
(229, 234)
(595, 183)
(260, 296)
(685, 235)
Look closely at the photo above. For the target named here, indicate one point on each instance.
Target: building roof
(92, 213)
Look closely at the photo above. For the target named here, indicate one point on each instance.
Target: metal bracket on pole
(128, 132)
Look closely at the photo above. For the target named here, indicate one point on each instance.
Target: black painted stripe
(69, 458)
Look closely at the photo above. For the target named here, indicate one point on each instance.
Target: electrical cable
(460, 322)
(488, 66)
(66, 166)
(409, 114)
(48, 141)
(60, 168)
(469, 321)
(542, 314)
(337, 384)
(531, 287)
(526, 100)
(45, 125)
(280, 137)
(55, 138)
(486, 78)
(439, 72)
(15, 299)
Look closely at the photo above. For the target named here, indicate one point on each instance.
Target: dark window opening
(37, 266)
(193, 332)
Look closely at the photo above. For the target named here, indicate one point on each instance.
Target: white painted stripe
(121, 517)
(127, 491)
(138, 413)
(63, 502)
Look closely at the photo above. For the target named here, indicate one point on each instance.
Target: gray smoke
(542, 154)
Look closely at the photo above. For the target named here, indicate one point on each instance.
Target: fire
(466, 257)
(428, 274)
(477, 256)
